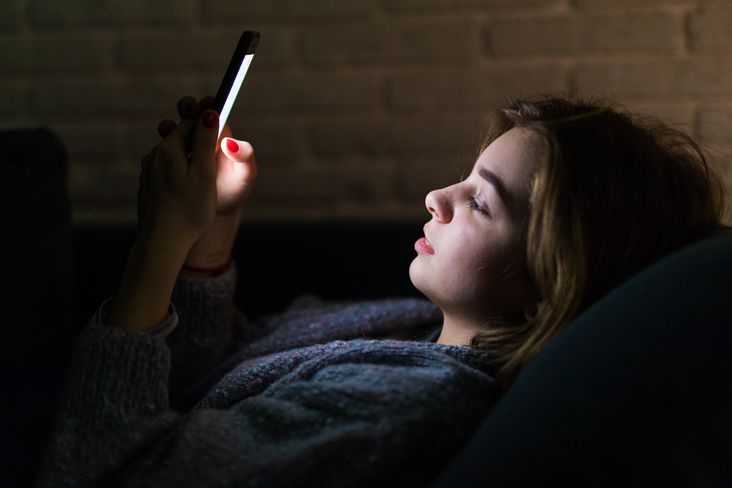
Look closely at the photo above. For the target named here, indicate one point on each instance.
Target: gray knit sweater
(311, 397)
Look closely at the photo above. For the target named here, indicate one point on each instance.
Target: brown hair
(613, 193)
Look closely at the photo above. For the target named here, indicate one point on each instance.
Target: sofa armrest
(636, 392)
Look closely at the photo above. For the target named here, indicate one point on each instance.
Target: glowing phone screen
(234, 76)
(243, 68)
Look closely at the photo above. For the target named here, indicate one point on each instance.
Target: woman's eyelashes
(476, 205)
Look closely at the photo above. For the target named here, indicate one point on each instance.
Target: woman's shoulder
(312, 321)
(385, 371)
(394, 370)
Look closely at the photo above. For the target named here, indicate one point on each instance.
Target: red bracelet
(211, 271)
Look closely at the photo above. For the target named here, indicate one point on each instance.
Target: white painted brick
(676, 114)
(355, 108)
(287, 92)
(254, 10)
(277, 141)
(396, 136)
(344, 181)
(715, 125)
(403, 41)
(155, 97)
(456, 134)
(476, 89)
(632, 32)
(629, 4)
(451, 6)
(208, 51)
(93, 184)
(710, 29)
(93, 13)
(93, 142)
(55, 54)
(656, 79)
(12, 18)
(12, 102)
(343, 137)
(179, 51)
(417, 177)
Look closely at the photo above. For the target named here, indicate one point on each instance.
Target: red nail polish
(209, 119)
(231, 145)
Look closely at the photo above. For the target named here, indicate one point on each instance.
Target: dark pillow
(636, 392)
(37, 304)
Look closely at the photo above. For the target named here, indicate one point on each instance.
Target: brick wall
(356, 107)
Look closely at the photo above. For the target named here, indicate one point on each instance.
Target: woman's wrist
(147, 285)
(211, 253)
(194, 272)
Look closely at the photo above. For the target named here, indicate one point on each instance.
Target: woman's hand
(177, 195)
(236, 169)
(176, 203)
(236, 166)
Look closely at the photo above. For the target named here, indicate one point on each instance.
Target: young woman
(171, 386)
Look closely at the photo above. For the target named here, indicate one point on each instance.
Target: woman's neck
(456, 332)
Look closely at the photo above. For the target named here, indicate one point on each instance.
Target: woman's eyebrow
(494, 180)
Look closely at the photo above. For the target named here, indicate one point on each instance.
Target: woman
(172, 386)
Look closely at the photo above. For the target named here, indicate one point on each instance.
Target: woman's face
(471, 263)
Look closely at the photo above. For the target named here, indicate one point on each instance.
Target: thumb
(240, 157)
(203, 147)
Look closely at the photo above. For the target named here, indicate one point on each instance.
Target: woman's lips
(423, 245)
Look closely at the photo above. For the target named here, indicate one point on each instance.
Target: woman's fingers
(165, 127)
(188, 107)
(206, 102)
(203, 150)
(174, 151)
(241, 153)
(144, 186)
(236, 150)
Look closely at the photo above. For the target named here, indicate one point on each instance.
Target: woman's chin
(419, 278)
(415, 273)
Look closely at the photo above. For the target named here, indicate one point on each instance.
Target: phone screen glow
(243, 68)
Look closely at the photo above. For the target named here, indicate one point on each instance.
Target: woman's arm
(176, 203)
(209, 324)
(197, 275)
(236, 169)
(211, 253)
(147, 285)
(177, 226)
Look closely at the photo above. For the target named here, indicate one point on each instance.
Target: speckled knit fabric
(311, 397)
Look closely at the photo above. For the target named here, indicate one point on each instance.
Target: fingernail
(209, 119)
(231, 145)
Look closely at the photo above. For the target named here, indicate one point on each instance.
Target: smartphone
(234, 76)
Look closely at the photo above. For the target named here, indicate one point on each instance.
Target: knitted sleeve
(362, 420)
(209, 324)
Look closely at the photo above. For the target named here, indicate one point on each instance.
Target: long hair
(613, 193)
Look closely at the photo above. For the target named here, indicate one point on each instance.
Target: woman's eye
(473, 203)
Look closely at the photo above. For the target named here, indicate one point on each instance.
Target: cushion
(636, 392)
(37, 304)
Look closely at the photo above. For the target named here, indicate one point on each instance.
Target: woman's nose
(437, 204)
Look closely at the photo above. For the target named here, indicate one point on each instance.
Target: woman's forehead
(512, 157)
